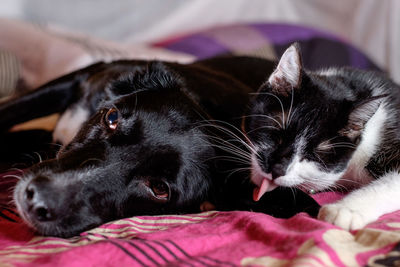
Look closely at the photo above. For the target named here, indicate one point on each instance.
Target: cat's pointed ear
(361, 114)
(287, 76)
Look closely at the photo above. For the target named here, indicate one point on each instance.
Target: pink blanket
(207, 239)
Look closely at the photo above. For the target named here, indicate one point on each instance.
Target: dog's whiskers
(38, 155)
(89, 160)
(55, 144)
(11, 203)
(16, 169)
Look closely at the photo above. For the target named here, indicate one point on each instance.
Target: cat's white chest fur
(374, 197)
(356, 175)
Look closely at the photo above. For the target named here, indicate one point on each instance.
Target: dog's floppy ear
(50, 98)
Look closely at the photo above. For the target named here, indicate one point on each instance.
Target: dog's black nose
(37, 202)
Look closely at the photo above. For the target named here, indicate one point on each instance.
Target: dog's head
(141, 152)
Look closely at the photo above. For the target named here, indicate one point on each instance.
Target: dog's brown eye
(111, 118)
(160, 189)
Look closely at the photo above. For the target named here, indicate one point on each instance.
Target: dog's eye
(160, 189)
(111, 118)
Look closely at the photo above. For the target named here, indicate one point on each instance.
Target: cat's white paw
(342, 216)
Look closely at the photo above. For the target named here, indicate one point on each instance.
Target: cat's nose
(277, 170)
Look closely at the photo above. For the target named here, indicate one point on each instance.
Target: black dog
(139, 138)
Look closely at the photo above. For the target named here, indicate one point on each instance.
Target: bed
(214, 238)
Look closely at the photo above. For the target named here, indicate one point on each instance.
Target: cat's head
(305, 126)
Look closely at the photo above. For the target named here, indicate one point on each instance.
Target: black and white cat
(329, 129)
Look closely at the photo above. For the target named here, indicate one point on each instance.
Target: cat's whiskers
(267, 117)
(284, 117)
(293, 112)
(293, 193)
(263, 127)
(240, 150)
(227, 146)
(211, 123)
(344, 144)
(223, 145)
(338, 187)
(244, 169)
(240, 155)
(325, 148)
(246, 142)
(229, 158)
(319, 158)
(289, 116)
(231, 143)
(309, 183)
(233, 150)
(351, 181)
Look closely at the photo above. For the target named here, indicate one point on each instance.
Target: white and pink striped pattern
(206, 239)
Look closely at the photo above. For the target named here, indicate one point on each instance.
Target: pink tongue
(264, 187)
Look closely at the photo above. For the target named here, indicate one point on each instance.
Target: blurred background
(373, 26)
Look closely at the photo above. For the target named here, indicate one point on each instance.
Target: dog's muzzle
(41, 204)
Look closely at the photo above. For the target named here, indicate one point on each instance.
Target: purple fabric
(199, 45)
(287, 33)
(319, 49)
(359, 60)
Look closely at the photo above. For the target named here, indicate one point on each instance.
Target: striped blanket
(235, 238)
(215, 238)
